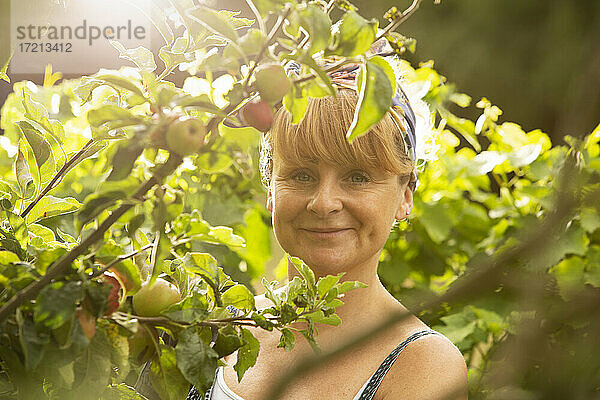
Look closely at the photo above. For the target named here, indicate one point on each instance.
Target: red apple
(272, 82)
(115, 297)
(151, 301)
(258, 115)
(87, 322)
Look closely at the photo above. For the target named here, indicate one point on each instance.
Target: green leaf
(7, 257)
(18, 229)
(350, 285)
(252, 42)
(437, 221)
(93, 368)
(225, 235)
(140, 56)
(44, 233)
(114, 116)
(50, 206)
(196, 360)
(307, 274)
(319, 317)
(38, 113)
(56, 303)
(238, 296)
(167, 380)
(24, 178)
(120, 82)
(296, 102)
(201, 263)
(287, 339)
(318, 25)
(121, 392)
(124, 159)
(3, 75)
(227, 341)
(589, 219)
(353, 35)
(375, 96)
(247, 354)
(32, 343)
(41, 148)
(569, 274)
(214, 22)
(327, 282)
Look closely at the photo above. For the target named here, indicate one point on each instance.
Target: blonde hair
(321, 136)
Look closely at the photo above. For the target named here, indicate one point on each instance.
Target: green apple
(258, 114)
(272, 82)
(185, 136)
(151, 301)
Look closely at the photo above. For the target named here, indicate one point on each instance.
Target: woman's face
(334, 217)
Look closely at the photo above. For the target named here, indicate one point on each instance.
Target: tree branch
(62, 266)
(398, 21)
(118, 260)
(57, 177)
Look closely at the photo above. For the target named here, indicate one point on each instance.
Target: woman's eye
(358, 178)
(301, 177)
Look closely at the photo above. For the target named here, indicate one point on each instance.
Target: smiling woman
(333, 204)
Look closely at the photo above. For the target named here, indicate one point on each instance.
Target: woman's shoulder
(429, 367)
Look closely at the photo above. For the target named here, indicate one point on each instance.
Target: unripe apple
(150, 301)
(141, 344)
(272, 82)
(87, 322)
(113, 301)
(185, 136)
(257, 114)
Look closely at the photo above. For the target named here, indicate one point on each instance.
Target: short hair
(321, 135)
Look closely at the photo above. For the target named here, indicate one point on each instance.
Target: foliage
(93, 187)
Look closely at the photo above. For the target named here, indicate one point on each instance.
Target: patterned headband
(401, 111)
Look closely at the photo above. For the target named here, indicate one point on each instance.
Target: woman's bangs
(321, 136)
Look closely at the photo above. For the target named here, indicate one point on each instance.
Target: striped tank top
(220, 391)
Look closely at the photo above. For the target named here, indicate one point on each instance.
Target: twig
(261, 23)
(264, 48)
(398, 21)
(61, 266)
(332, 67)
(57, 177)
(118, 260)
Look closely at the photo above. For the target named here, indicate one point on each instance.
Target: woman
(333, 205)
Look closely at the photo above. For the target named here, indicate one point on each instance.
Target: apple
(87, 322)
(141, 344)
(185, 136)
(271, 82)
(258, 114)
(116, 295)
(150, 301)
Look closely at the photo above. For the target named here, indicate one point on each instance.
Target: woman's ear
(406, 203)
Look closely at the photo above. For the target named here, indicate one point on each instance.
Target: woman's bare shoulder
(428, 368)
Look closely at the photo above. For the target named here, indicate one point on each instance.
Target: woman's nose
(325, 199)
